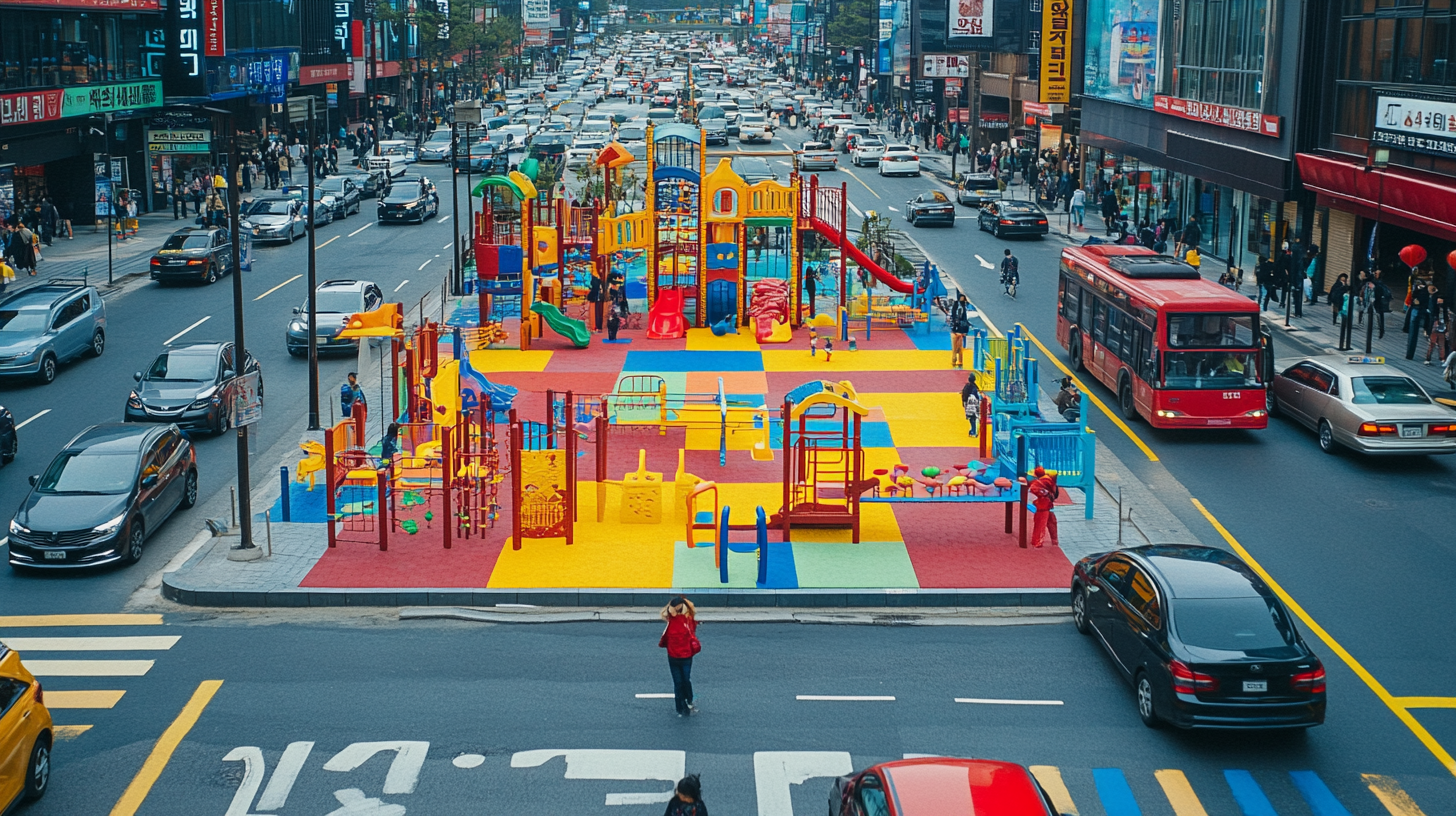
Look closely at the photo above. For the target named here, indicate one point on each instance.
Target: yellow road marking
(1436, 749)
(1051, 782)
(1087, 392)
(1390, 794)
(82, 699)
(333, 239)
(862, 184)
(141, 785)
(8, 621)
(1426, 702)
(1180, 794)
(69, 732)
(89, 668)
(281, 285)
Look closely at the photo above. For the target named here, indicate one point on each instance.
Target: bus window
(1212, 330)
(1115, 320)
(1099, 321)
(1147, 356)
(1210, 369)
(1071, 306)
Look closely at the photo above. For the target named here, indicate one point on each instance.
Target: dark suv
(103, 494)
(194, 254)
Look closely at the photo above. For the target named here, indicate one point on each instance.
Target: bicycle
(1009, 286)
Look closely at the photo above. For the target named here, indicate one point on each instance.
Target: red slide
(665, 319)
(905, 287)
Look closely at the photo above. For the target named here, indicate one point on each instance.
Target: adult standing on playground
(811, 284)
(680, 639)
(960, 326)
(971, 399)
(350, 394)
(1045, 493)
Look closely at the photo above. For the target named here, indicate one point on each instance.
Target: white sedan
(899, 160)
(866, 151)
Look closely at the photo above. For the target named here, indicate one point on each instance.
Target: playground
(728, 431)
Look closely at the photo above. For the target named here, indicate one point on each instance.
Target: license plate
(1220, 422)
(55, 555)
(1256, 685)
(1412, 431)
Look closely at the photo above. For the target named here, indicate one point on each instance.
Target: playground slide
(665, 319)
(573, 330)
(456, 376)
(772, 330)
(863, 260)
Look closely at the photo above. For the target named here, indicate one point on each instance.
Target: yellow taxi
(25, 734)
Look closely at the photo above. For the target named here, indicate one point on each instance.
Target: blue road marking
(1113, 790)
(1317, 795)
(1251, 799)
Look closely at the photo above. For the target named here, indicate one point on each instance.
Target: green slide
(573, 330)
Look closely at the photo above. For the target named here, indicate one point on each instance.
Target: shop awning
(1418, 201)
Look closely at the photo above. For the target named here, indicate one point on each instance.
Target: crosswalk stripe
(1180, 793)
(69, 732)
(82, 699)
(119, 619)
(147, 643)
(1251, 799)
(1116, 795)
(1050, 778)
(89, 668)
(1392, 795)
(1317, 795)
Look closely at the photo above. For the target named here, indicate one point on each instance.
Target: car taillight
(1441, 430)
(1188, 681)
(1310, 681)
(39, 693)
(195, 262)
(1041, 221)
(1375, 429)
(912, 158)
(1007, 221)
(156, 262)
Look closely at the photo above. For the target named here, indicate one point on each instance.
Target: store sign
(320, 74)
(1037, 109)
(1417, 122)
(343, 12)
(945, 65)
(992, 120)
(924, 90)
(93, 5)
(178, 141)
(214, 41)
(331, 91)
(46, 106)
(189, 36)
(32, 106)
(1237, 118)
(952, 87)
(971, 18)
(1055, 84)
(443, 6)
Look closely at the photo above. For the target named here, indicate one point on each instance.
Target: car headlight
(133, 401)
(16, 528)
(298, 326)
(109, 526)
(205, 398)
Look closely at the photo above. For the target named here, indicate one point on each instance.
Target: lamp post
(457, 276)
(240, 354)
(313, 372)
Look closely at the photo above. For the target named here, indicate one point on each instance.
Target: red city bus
(1177, 349)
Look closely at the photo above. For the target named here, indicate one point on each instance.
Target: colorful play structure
(504, 434)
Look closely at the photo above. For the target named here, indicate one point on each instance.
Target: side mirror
(33, 479)
(149, 480)
(137, 376)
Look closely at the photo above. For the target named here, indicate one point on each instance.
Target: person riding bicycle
(1010, 273)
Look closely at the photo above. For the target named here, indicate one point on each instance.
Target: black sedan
(1012, 218)
(9, 437)
(371, 183)
(194, 386)
(345, 192)
(484, 157)
(933, 207)
(103, 494)
(410, 199)
(199, 254)
(1204, 641)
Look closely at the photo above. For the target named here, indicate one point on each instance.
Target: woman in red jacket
(680, 639)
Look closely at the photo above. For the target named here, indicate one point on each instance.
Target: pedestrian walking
(680, 639)
(1421, 300)
(1078, 206)
(1338, 291)
(960, 326)
(351, 394)
(1379, 302)
(1440, 327)
(1010, 273)
(1045, 493)
(687, 798)
(971, 399)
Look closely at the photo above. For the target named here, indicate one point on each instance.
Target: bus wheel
(1074, 349)
(1125, 401)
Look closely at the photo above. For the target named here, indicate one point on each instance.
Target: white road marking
(657, 696)
(892, 209)
(985, 264)
(188, 329)
(443, 220)
(89, 668)
(468, 761)
(326, 243)
(4, 541)
(775, 771)
(846, 698)
(27, 422)
(989, 701)
(361, 229)
(279, 286)
(590, 763)
(92, 644)
(855, 210)
(425, 264)
(404, 770)
(447, 246)
(402, 283)
(275, 796)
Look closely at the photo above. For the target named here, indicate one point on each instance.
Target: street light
(240, 354)
(313, 372)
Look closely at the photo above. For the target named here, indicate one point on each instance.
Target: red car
(940, 786)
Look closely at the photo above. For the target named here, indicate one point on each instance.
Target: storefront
(179, 146)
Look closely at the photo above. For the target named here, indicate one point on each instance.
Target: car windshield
(85, 472)
(180, 366)
(342, 302)
(403, 194)
(753, 119)
(935, 196)
(269, 206)
(332, 185)
(190, 241)
(1241, 625)
(1019, 208)
(1387, 391)
(980, 184)
(439, 137)
(1212, 330)
(711, 112)
(23, 321)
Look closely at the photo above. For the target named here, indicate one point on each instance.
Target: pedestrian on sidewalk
(1421, 300)
(1045, 493)
(1338, 291)
(1311, 268)
(687, 799)
(7, 274)
(22, 249)
(49, 218)
(680, 639)
(351, 394)
(1380, 301)
(1440, 326)
(1078, 206)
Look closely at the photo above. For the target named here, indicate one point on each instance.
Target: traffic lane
(546, 681)
(1324, 558)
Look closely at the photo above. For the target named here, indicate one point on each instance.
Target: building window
(1221, 57)
(1388, 42)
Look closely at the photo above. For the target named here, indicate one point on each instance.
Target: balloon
(1413, 254)
(930, 472)
(1451, 258)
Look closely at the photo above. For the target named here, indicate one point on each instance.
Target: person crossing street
(1010, 273)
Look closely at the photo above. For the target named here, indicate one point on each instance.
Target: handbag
(697, 645)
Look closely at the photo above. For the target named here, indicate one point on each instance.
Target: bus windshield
(1212, 330)
(1210, 369)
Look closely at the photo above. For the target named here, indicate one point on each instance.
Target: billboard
(1055, 84)
(887, 34)
(1424, 123)
(1122, 56)
(971, 18)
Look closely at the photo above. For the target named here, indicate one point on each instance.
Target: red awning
(1419, 201)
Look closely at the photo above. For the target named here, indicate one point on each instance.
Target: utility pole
(240, 354)
(313, 371)
(456, 278)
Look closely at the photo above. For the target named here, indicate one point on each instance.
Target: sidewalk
(85, 255)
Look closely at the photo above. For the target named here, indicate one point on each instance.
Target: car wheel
(1271, 402)
(1146, 710)
(1074, 349)
(291, 236)
(9, 456)
(1125, 401)
(222, 424)
(98, 343)
(1327, 437)
(47, 373)
(293, 352)
(212, 274)
(135, 540)
(189, 490)
(1079, 611)
(996, 230)
(38, 774)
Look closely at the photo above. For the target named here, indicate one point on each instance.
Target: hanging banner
(214, 39)
(1055, 84)
(1122, 51)
(945, 65)
(971, 18)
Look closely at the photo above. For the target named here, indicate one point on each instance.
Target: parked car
(50, 324)
(931, 207)
(550, 146)
(27, 745)
(107, 490)
(1204, 641)
(371, 183)
(976, 189)
(193, 385)
(1355, 402)
(345, 193)
(193, 254)
(9, 437)
(754, 127)
(275, 218)
(436, 146)
(336, 301)
(411, 199)
(940, 786)
(899, 160)
(1012, 218)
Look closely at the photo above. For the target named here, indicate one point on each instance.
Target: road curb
(858, 617)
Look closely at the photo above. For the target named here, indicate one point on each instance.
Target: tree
(855, 24)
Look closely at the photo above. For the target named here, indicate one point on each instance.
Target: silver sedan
(1362, 404)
